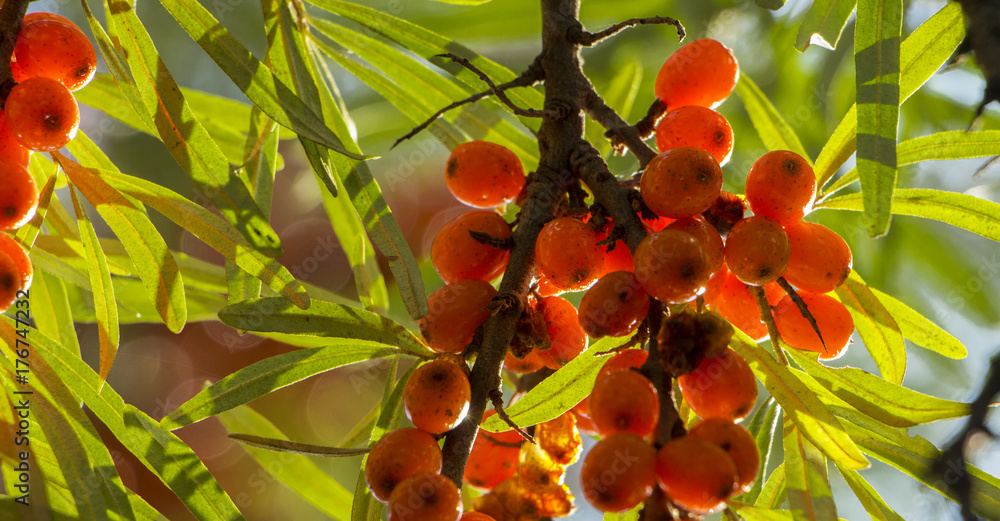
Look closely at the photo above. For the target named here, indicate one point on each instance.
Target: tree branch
(621, 133)
(10, 25)
(497, 91)
(588, 39)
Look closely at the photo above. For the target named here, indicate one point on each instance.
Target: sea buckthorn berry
(695, 474)
(396, 456)
(456, 310)
(42, 114)
(583, 421)
(568, 255)
(10, 148)
(436, 397)
(672, 266)
(737, 442)
(618, 258)
(18, 196)
(820, 260)
(624, 401)
(832, 318)
(10, 281)
(702, 72)
(740, 308)
(695, 126)
(425, 496)
(493, 458)
(722, 386)
(618, 473)
(781, 186)
(42, 15)
(529, 364)
(456, 255)
(484, 174)
(56, 50)
(623, 361)
(567, 338)
(476, 516)
(560, 439)
(757, 250)
(20, 257)
(614, 306)
(681, 182)
(656, 223)
(546, 288)
(706, 234)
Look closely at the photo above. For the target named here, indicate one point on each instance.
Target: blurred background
(951, 276)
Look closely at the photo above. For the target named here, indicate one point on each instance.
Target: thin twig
(588, 39)
(497, 91)
(647, 125)
(768, 318)
(496, 398)
(619, 132)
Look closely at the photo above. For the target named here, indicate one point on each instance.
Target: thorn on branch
(496, 397)
(801, 304)
(768, 318)
(497, 91)
(647, 125)
(585, 38)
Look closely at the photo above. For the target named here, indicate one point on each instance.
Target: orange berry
(476, 516)
(20, 257)
(42, 114)
(740, 308)
(560, 439)
(655, 224)
(619, 258)
(781, 186)
(493, 458)
(563, 325)
(702, 72)
(456, 255)
(672, 265)
(706, 234)
(484, 174)
(456, 310)
(832, 318)
(624, 401)
(615, 305)
(53, 49)
(18, 196)
(583, 421)
(695, 126)
(623, 361)
(737, 442)
(820, 260)
(757, 250)
(436, 397)
(695, 474)
(721, 387)
(545, 288)
(10, 148)
(425, 496)
(681, 182)
(567, 254)
(42, 15)
(396, 456)
(529, 364)
(10, 281)
(618, 473)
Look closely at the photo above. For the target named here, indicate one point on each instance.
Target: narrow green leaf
(560, 392)
(964, 211)
(186, 138)
(270, 374)
(324, 319)
(212, 229)
(298, 472)
(870, 499)
(463, 2)
(104, 293)
(823, 23)
(800, 405)
(631, 515)
(881, 399)
(773, 5)
(28, 233)
(51, 310)
(876, 59)
(763, 427)
(920, 330)
(774, 492)
(920, 55)
(774, 132)
(292, 447)
(809, 494)
(753, 513)
(877, 328)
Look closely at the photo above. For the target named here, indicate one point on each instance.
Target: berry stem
(10, 26)
(768, 318)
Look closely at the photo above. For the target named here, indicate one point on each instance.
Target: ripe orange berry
(757, 250)
(10, 281)
(484, 174)
(563, 325)
(560, 439)
(425, 496)
(619, 258)
(42, 15)
(456, 255)
(623, 361)
(42, 114)
(10, 149)
(567, 254)
(706, 234)
(702, 72)
(18, 196)
(699, 127)
(53, 49)
(672, 266)
(681, 182)
(436, 397)
(820, 260)
(739, 306)
(781, 186)
(656, 224)
(529, 364)
(618, 473)
(583, 421)
(476, 516)
(695, 474)
(832, 318)
(615, 305)
(624, 401)
(493, 458)
(396, 456)
(738, 444)
(721, 387)
(456, 310)
(20, 257)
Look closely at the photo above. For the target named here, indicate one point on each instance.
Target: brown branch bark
(588, 39)
(10, 25)
(618, 130)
